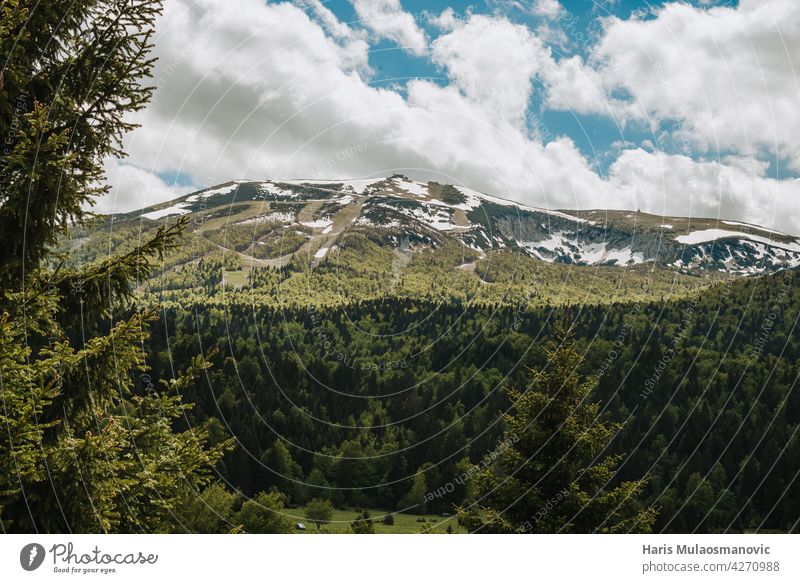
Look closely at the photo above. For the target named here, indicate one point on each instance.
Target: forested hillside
(385, 403)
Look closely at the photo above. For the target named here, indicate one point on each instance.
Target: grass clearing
(403, 523)
(235, 278)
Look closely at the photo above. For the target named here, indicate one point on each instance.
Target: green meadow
(403, 523)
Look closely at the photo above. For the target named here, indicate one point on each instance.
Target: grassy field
(235, 278)
(403, 523)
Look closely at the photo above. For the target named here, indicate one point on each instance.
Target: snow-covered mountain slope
(318, 213)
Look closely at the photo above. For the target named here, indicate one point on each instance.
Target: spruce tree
(362, 524)
(86, 445)
(551, 474)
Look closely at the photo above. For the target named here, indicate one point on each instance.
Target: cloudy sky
(688, 108)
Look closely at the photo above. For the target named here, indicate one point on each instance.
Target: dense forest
(381, 404)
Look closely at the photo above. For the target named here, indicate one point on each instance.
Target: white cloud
(573, 86)
(266, 93)
(735, 188)
(387, 19)
(550, 9)
(446, 20)
(239, 102)
(493, 62)
(134, 188)
(727, 75)
(269, 95)
(332, 24)
(354, 44)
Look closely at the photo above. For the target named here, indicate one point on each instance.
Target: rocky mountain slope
(271, 222)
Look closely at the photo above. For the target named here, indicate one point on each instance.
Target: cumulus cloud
(353, 41)
(269, 95)
(493, 61)
(727, 75)
(244, 100)
(446, 20)
(330, 22)
(134, 188)
(387, 19)
(550, 9)
(571, 85)
(254, 90)
(735, 188)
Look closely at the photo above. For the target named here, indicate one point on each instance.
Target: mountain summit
(312, 217)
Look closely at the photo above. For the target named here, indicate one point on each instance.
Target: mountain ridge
(322, 211)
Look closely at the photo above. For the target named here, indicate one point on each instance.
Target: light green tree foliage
(208, 511)
(264, 514)
(550, 475)
(414, 501)
(319, 511)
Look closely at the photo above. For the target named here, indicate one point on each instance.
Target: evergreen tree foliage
(362, 524)
(209, 511)
(552, 474)
(72, 75)
(744, 414)
(89, 443)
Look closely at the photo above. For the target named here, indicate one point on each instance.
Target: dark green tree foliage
(89, 443)
(551, 474)
(363, 524)
(716, 435)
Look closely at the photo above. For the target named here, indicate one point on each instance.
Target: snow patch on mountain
(322, 223)
(410, 186)
(707, 235)
(178, 209)
(433, 216)
(561, 245)
(735, 224)
(352, 186)
(277, 217)
(212, 192)
(275, 190)
(474, 199)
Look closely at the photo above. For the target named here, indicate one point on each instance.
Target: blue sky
(595, 135)
(671, 107)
